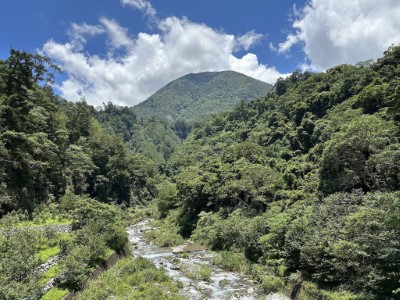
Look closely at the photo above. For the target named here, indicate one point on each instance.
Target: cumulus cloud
(141, 5)
(249, 39)
(335, 32)
(78, 33)
(117, 36)
(146, 62)
(249, 65)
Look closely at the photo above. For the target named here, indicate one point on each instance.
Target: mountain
(305, 181)
(300, 189)
(153, 138)
(196, 96)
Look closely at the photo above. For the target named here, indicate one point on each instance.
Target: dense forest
(194, 97)
(302, 186)
(49, 146)
(305, 181)
(66, 164)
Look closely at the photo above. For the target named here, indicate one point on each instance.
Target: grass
(55, 294)
(46, 253)
(132, 279)
(272, 284)
(108, 253)
(311, 291)
(49, 274)
(44, 222)
(231, 261)
(200, 272)
(167, 234)
(139, 213)
(19, 220)
(164, 238)
(49, 246)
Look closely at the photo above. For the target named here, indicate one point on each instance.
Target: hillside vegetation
(49, 146)
(299, 188)
(194, 97)
(304, 182)
(57, 164)
(153, 138)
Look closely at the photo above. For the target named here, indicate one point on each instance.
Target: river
(221, 284)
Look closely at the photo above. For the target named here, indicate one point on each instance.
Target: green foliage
(18, 264)
(55, 294)
(49, 147)
(272, 284)
(80, 167)
(352, 240)
(200, 272)
(196, 96)
(132, 279)
(167, 198)
(237, 232)
(165, 238)
(99, 221)
(372, 98)
(139, 213)
(167, 233)
(304, 180)
(25, 245)
(29, 130)
(75, 266)
(349, 156)
(310, 291)
(231, 261)
(79, 119)
(97, 228)
(153, 138)
(49, 274)
(45, 254)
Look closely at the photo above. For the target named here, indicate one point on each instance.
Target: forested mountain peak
(299, 188)
(198, 95)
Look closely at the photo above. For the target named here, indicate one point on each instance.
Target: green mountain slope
(196, 96)
(305, 183)
(152, 138)
(300, 188)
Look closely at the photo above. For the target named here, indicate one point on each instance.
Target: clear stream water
(223, 285)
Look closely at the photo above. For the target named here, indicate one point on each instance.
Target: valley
(294, 193)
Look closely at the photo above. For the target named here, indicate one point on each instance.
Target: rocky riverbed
(219, 284)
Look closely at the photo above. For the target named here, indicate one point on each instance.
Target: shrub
(231, 261)
(164, 238)
(200, 272)
(74, 267)
(311, 291)
(132, 279)
(271, 284)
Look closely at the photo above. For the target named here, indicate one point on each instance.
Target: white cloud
(142, 5)
(118, 36)
(249, 39)
(78, 33)
(147, 62)
(289, 43)
(250, 66)
(336, 32)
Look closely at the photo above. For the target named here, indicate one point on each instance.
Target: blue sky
(51, 19)
(124, 50)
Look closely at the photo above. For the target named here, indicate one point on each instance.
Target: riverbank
(192, 266)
